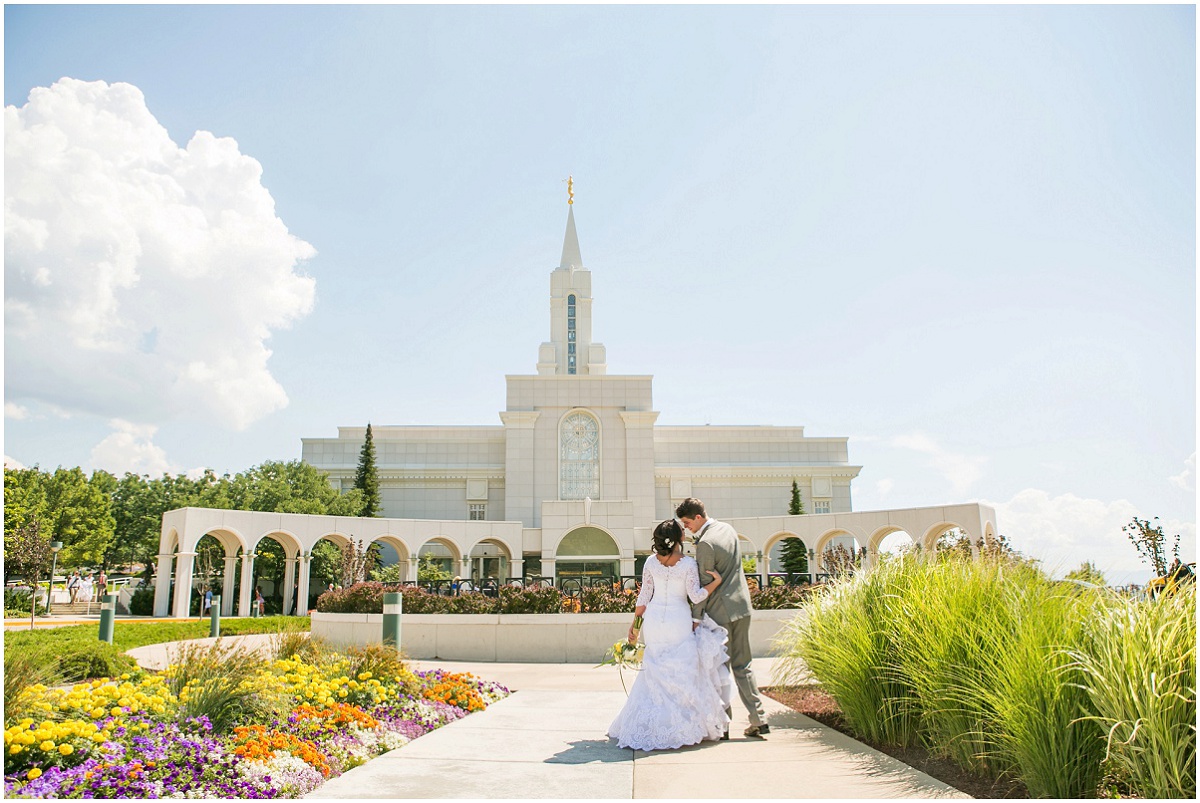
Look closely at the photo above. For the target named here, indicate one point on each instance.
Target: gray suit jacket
(717, 548)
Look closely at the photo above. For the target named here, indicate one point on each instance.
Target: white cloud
(141, 279)
(1066, 530)
(15, 411)
(1186, 479)
(884, 486)
(960, 470)
(130, 448)
(11, 463)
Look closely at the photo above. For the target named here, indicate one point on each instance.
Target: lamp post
(55, 546)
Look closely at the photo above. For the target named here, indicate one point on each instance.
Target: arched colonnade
(925, 525)
(240, 534)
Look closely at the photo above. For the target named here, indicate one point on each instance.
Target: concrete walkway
(547, 740)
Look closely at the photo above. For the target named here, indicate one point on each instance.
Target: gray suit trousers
(739, 663)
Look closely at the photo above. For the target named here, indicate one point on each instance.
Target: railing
(573, 586)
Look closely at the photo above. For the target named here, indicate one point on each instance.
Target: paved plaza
(548, 740)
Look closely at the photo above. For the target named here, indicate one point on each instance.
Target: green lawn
(127, 635)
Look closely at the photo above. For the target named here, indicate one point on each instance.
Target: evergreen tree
(367, 477)
(796, 506)
(794, 553)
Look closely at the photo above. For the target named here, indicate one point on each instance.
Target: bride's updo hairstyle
(667, 536)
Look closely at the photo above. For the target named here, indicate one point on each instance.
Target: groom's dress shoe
(725, 736)
(758, 730)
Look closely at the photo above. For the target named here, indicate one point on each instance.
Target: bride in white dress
(680, 696)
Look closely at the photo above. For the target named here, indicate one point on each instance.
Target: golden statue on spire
(570, 191)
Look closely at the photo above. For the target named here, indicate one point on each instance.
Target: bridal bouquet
(625, 653)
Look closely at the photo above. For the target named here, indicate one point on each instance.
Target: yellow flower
(16, 748)
(47, 746)
(66, 749)
(33, 774)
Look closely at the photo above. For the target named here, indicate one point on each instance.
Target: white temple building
(571, 482)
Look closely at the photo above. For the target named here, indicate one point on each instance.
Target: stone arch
(824, 539)
(616, 546)
(930, 538)
(585, 553)
(490, 558)
(279, 587)
(396, 543)
(876, 537)
(445, 550)
(227, 537)
(826, 542)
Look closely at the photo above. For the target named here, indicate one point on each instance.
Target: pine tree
(796, 506)
(793, 553)
(366, 479)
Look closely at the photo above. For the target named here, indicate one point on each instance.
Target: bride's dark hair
(667, 536)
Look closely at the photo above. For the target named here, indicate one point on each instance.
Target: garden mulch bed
(815, 702)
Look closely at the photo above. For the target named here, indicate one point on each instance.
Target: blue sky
(962, 236)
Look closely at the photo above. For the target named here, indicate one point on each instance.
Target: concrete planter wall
(511, 638)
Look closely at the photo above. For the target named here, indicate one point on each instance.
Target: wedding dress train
(683, 689)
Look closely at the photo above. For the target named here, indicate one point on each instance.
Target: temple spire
(571, 260)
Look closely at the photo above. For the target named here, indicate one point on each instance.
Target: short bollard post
(108, 613)
(214, 627)
(393, 604)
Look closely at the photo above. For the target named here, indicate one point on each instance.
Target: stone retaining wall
(511, 638)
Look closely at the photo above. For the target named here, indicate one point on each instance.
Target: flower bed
(143, 735)
(368, 598)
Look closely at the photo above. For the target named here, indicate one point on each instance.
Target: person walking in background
(101, 585)
(206, 603)
(85, 589)
(260, 601)
(73, 584)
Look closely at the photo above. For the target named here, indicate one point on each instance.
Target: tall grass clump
(1139, 671)
(1041, 724)
(221, 682)
(947, 622)
(22, 669)
(843, 638)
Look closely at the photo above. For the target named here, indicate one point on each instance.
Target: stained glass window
(579, 457)
(571, 329)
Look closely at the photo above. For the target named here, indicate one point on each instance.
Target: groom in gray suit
(729, 605)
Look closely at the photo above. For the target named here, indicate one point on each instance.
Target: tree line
(105, 521)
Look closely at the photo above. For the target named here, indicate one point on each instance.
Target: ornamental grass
(220, 723)
(1075, 691)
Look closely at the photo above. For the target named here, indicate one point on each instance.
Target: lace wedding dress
(680, 696)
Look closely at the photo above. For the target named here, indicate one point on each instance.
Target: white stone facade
(638, 471)
(571, 482)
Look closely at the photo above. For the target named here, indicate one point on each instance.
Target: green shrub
(142, 602)
(538, 599)
(1139, 671)
(777, 597)
(16, 603)
(604, 599)
(96, 659)
(471, 602)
